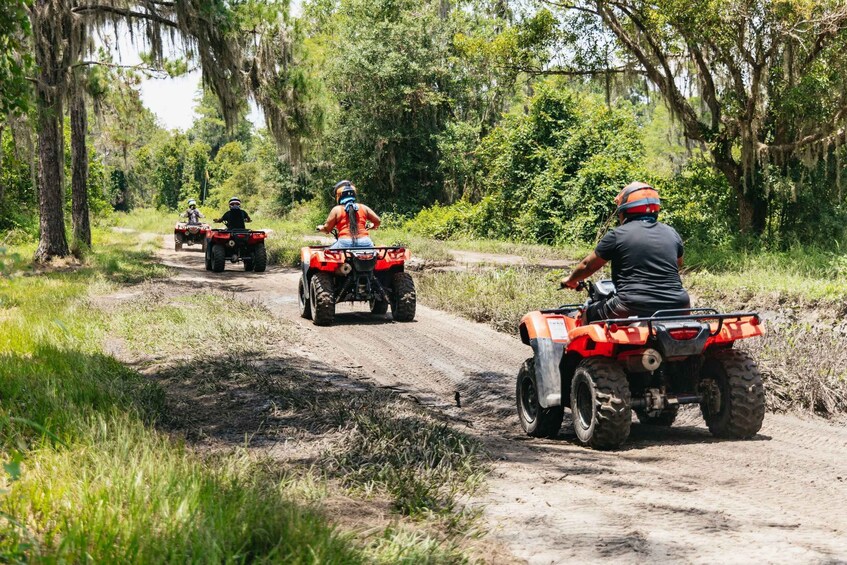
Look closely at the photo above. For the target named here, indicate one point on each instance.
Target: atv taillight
(332, 255)
(685, 333)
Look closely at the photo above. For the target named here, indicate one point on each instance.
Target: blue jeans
(347, 243)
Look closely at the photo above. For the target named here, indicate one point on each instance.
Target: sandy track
(671, 495)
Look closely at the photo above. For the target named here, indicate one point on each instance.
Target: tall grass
(103, 484)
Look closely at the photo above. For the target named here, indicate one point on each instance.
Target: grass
(90, 475)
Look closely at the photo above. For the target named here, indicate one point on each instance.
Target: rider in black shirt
(646, 256)
(235, 218)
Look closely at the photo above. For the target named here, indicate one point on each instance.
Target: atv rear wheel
(535, 420)
(218, 258)
(734, 395)
(248, 263)
(378, 307)
(403, 297)
(323, 303)
(178, 242)
(203, 244)
(665, 418)
(601, 403)
(208, 258)
(260, 258)
(303, 299)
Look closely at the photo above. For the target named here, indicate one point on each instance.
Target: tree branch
(129, 14)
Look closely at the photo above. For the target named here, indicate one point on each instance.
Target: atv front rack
(683, 315)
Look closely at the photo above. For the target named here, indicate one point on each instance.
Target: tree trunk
(52, 242)
(79, 179)
(752, 206)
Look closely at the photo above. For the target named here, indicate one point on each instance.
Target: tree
(767, 83)
(235, 61)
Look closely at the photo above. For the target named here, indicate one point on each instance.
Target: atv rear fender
(548, 336)
(324, 259)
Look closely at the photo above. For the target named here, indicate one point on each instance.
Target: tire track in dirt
(670, 495)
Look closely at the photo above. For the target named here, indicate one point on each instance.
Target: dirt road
(671, 495)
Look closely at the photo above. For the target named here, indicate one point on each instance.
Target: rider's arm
(331, 220)
(223, 219)
(247, 217)
(587, 267)
(372, 217)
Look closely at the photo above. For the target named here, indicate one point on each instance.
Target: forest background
(479, 119)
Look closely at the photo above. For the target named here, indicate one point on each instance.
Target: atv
(375, 275)
(246, 246)
(607, 369)
(190, 234)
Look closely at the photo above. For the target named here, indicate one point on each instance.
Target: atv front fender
(535, 332)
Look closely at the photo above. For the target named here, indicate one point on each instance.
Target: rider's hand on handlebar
(570, 283)
(320, 228)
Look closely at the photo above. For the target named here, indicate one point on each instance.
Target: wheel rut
(674, 494)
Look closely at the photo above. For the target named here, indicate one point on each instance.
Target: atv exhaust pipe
(344, 269)
(648, 361)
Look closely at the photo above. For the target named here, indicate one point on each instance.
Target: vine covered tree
(235, 45)
(759, 83)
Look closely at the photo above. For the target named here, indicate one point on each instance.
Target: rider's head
(344, 192)
(637, 199)
(192, 203)
(234, 202)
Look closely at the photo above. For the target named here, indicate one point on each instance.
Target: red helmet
(638, 198)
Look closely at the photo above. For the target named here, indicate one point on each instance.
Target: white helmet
(192, 202)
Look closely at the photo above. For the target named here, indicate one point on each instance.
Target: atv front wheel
(178, 242)
(260, 258)
(734, 395)
(665, 418)
(218, 258)
(303, 299)
(601, 403)
(535, 420)
(322, 301)
(403, 298)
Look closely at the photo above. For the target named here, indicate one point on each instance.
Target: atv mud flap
(548, 357)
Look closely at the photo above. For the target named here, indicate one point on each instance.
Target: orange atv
(375, 275)
(604, 370)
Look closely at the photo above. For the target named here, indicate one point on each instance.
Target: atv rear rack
(380, 251)
(683, 315)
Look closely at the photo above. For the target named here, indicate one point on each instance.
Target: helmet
(345, 192)
(192, 202)
(234, 201)
(638, 198)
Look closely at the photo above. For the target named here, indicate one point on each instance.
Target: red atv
(190, 234)
(246, 246)
(604, 370)
(375, 275)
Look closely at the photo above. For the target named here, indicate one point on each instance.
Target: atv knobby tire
(601, 403)
(248, 263)
(260, 258)
(737, 379)
(322, 301)
(178, 242)
(535, 420)
(218, 258)
(208, 258)
(303, 299)
(203, 245)
(666, 418)
(403, 297)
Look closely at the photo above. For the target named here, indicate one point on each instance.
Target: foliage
(15, 60)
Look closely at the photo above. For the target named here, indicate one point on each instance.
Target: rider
(193, 214)
(350, 219)
(235, 217)
(646, 256)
